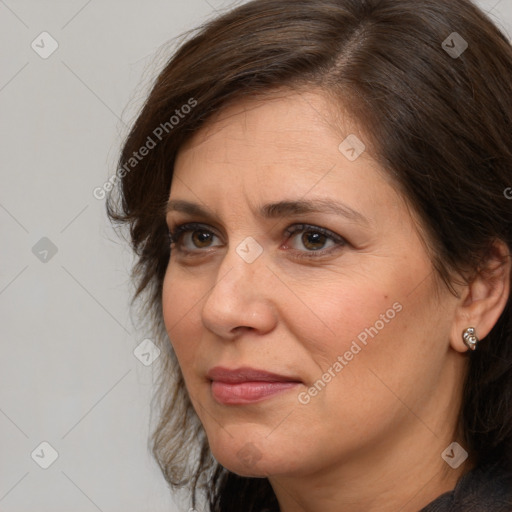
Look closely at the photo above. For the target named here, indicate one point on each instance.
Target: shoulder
(484, 489)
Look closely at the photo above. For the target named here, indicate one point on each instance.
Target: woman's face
(300, 300)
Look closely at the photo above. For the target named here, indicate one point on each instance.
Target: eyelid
(180, 227)
(297, 228)
(339, 241)
(176, 231)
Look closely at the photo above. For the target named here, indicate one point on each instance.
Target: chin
(253, 456)
(246, 463)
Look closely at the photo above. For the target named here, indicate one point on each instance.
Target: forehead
(283, 119)
(303, 130)
(284, 146)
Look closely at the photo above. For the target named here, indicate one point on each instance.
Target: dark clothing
(487, 489)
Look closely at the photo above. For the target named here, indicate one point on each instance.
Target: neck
(389, 480)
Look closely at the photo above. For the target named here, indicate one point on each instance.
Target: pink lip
(247, 385)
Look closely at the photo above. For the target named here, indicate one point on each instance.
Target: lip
(246, 385)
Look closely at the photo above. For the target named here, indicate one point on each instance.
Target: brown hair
(439, 123)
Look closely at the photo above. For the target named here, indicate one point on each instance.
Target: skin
(372, 438)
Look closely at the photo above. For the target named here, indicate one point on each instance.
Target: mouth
(245, 385)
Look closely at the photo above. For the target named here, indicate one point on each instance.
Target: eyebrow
(276, 210)
(288, 208)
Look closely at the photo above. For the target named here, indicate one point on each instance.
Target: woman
(333, 301)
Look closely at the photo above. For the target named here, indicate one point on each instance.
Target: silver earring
(470, 338)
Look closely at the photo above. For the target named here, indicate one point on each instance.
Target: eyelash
(176, 234)
(333, 237)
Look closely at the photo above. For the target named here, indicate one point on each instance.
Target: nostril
(242, 329)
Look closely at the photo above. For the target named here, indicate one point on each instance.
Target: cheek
(360, 329)
(181, 298)
(332, 314)
(389, 356)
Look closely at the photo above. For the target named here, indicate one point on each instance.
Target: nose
(240, 300)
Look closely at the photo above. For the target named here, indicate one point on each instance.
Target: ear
(484, 298)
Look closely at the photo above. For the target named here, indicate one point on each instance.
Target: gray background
(68, 372)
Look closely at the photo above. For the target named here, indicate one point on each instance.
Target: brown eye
(192, 238)
(306, 240)
(313, 241)
(201, 238)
